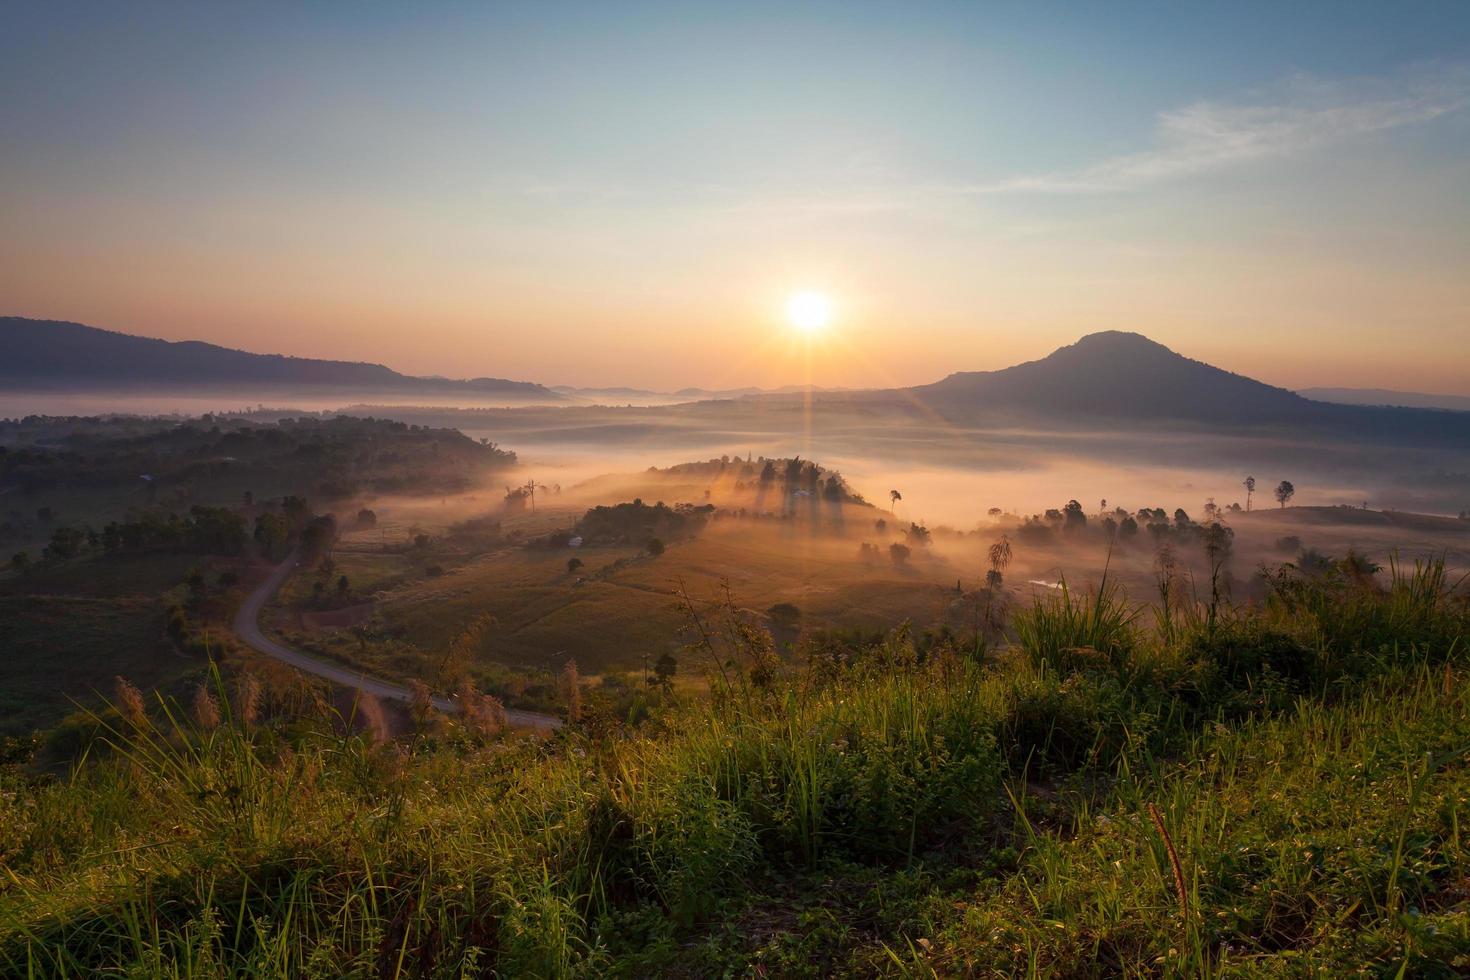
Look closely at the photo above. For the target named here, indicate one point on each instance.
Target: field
(72, 629)
(1276, 790)
(623, 608)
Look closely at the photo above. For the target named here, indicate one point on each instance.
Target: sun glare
(808, 311)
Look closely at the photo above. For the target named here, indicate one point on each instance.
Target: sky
(626, 194)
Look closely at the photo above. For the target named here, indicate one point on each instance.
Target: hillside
(52, 354)
(1278, 791)
(1118, 376)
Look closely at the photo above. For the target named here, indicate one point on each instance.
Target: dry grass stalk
(247, 698)
(482, 713)
(572, 688)
(1179, 889)
(206, 709)
(374, 719)
(420, 702)
(130, 702)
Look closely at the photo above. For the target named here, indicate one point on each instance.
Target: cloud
(1298, 115)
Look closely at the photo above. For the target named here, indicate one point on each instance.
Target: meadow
(1264, 790)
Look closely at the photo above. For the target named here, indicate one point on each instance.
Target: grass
(1271, 797)
(58, 651)
(542, 614)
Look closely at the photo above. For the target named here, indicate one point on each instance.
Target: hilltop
(56, 354)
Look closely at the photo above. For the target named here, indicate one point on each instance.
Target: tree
(1250, 488)
(894, 496)
(999, 554)
(572, 565)
(994, 512)
(899, 553)
(664, 669)
(1073, 516)
(655, 547)
(66, 543)
(343, 586)
(367, 518)
(1284, 492)
(271, 533)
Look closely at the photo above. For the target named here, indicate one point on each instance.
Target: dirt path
(247, 628)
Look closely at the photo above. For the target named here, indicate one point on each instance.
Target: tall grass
(1309, 776)
(1066, 630)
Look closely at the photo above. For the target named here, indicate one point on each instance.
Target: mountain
(1121, 375)
(1114, 378)
(54, 354)
(1383, 396)
(683, 394)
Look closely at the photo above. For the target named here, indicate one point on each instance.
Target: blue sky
(549, 190)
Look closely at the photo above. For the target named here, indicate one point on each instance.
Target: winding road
(247, 628)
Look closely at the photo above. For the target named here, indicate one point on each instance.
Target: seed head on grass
(481, 714)
(420, 702)
(571, 683)
(206, 708)
(130, 702)
(370, 709)
(247, 698)
(1179, 890)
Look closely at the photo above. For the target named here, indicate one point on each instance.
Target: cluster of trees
(518, 498)
(204, 531)
(789, 473)
(1122, 524)
(637, 522)
(164, 458)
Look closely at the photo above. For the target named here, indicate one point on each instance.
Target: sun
(808, 311)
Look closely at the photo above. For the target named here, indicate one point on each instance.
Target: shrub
(1065, 631)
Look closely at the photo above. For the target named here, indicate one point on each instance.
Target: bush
(1058, 723)
(1065, 631)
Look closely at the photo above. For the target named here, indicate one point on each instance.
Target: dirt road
(247, 628)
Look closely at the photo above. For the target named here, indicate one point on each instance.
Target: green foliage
(1064, 630)
(637, 522)
(897, 808)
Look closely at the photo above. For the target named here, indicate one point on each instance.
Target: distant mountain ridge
(51, 354)
(1384, 396)
(691, 394)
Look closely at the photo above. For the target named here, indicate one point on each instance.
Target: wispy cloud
(1302, 113)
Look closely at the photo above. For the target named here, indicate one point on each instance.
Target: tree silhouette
(894, 496)
(1250, 488)
(664, 669)
(1284, 492)
(999, 554)
(572, 565)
